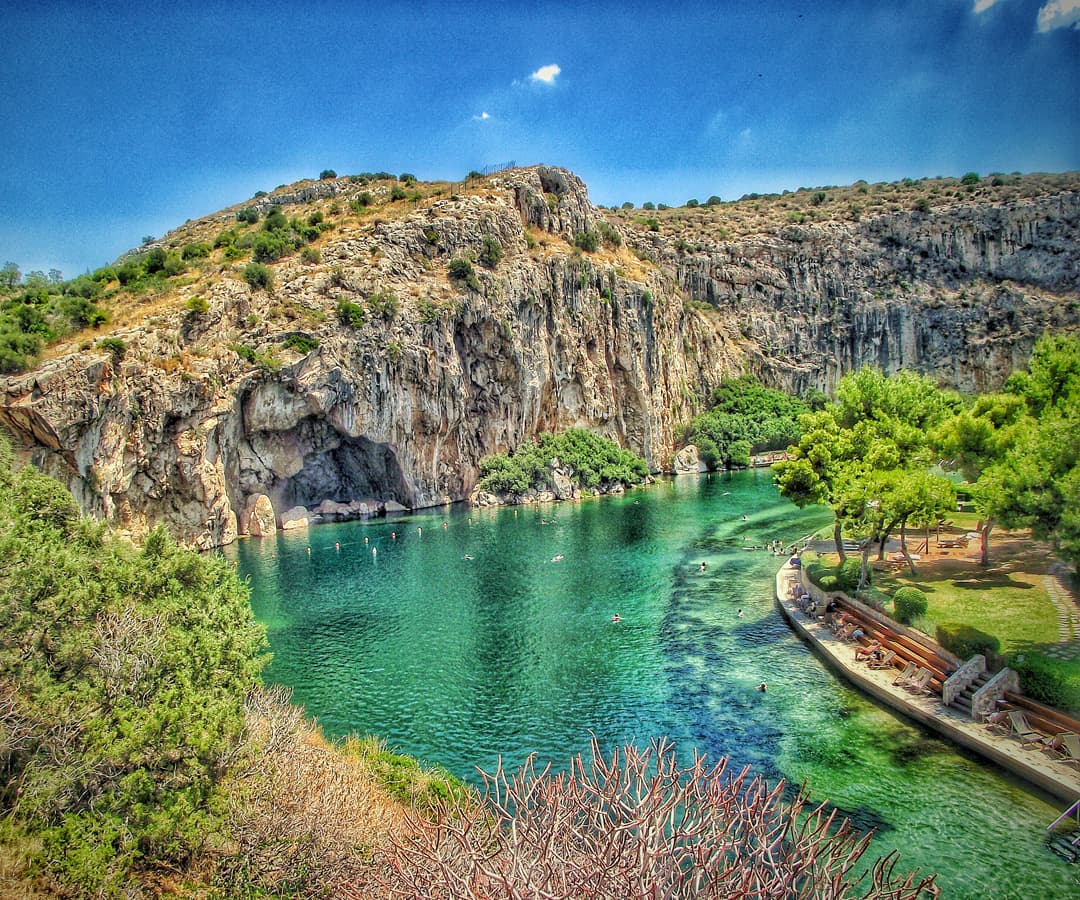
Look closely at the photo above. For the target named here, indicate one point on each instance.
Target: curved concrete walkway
(1053, 776)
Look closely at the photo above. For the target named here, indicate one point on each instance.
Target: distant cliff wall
(626, 340)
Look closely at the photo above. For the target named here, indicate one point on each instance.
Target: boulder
(687, 461)
(297, 517)
(259, 516)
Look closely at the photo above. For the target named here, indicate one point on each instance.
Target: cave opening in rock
(354, 469)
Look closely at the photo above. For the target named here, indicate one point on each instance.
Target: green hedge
(1042, 679)
(965, 641)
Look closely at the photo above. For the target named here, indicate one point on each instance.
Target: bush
(114, 347)
(384, 304)
(713, 201)
(491, 251)
(249, 215)
(828, 583)
(351, 314)
(970, 178)
(908, 604)
(848, 574)
(1042, 679)
(197, 250)
(269, 247)
(463, 270)
(965, 641)
(258, 276)
(589, 241)
(311, 255)
(197, 306)
(692, 204)
(397, 192)
(327, 174)
(301, 343)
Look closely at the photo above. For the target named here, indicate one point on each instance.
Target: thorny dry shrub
(637, 826)
(302, 815)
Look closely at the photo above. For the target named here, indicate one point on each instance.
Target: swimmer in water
(763, 687)
(374, 551)
(309, 551)
(701, 568)
(616, 618)
(466, 556)
(337, 546)
(558, 558)
(419, 530)
(445, 526)
(738, 615)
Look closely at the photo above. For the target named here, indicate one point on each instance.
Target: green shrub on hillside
(301, 343)
(592, 459)
(463, 270)
(589, 241)
(123, 673)
(258, 276)
(491, 251)
(351, 314)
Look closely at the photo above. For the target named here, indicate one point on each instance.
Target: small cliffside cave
(356, 469)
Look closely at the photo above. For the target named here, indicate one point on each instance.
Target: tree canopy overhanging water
(475, 633)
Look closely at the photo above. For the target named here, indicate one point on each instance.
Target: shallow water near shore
(513, 651)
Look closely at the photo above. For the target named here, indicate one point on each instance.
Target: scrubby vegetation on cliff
(588, 459)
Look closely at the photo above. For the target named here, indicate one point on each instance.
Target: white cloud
(982, 6)
(483, 117)
(546, 74)
(1059, 14)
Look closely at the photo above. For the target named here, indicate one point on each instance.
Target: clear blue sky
(125, 119)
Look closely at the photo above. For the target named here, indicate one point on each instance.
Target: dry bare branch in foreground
(637, 825)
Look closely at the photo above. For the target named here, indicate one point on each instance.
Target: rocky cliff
(370, 373)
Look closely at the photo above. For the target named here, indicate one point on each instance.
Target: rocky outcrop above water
(220, 423)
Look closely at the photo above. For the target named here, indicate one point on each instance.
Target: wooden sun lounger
(920, 682)
(1019, 726)
(884, 662)
(1065, 747)
(905, 676)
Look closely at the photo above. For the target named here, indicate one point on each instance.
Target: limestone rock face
(397, 412)
(687, 461)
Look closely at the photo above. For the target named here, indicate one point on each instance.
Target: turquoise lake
(457, 661)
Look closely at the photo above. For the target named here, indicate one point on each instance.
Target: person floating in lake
(374, 551)
(393, 535)
(337, 546)
(558, 558)
(445, 526)
(701, 568)
(738, 615)
(744, 517)
(466, 556)
(616, 618)
(763, 687)
(419, 530)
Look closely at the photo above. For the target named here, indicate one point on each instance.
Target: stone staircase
(962, 700)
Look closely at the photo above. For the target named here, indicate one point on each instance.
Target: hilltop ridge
(371, 338)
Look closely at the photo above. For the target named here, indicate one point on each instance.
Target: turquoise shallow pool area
(473, 633)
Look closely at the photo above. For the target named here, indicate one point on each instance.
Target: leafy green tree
(9, 275)
(857, 453)
(327, 174)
